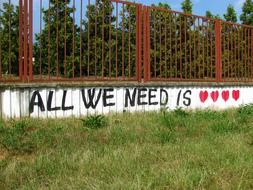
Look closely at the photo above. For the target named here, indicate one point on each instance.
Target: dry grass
(178, 150)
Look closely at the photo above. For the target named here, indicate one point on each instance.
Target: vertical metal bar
(251, 70)
(154, 43)
(25, 38)
(242, 53)
(160, 44)
(248, 53)
(57, 40)
(176, 76)
(203, 48)
(103, 38)
(20, 34)
(20, 44)
(137, 15)
(211, 53)
(229, 64)
(96, 22)
(232, 52)
(81, 39)
(65, 38)
(171, 44)
(180, 33)
(110, 43)
(123, 41)
(244, 56)
(235, 51)
(117, 23)
(198, 49)
(145, 58)
(40, 40)
(73, 41)
(129, 41)
(148, 43)
(165, 45)
(239, 53)
(251, 53)
(194, 57)
(207, 49)
(88, 65)
(223, 42)
(185, 46)
(49, 32)
(30, 40)
(190, 40)
(227, 48)
(9, 53)
(218, 50)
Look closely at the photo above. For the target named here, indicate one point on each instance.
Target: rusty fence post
(146, 43)
(138, 42)
(30, 40)
(20, 57)
(25, 38)
(218, 51)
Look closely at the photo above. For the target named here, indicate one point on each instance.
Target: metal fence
(103, 40)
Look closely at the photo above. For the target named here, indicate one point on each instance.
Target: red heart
(215, 95)
(236, 94)
(203, 95)
(225, 95)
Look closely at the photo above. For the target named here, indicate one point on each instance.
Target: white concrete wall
(77, 102)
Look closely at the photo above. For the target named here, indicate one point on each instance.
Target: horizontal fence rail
(113, 40)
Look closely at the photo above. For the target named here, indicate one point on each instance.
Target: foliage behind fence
(117, 40)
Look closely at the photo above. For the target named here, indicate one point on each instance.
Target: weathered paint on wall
(77, 102)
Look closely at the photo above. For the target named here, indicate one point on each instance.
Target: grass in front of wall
(165, 150)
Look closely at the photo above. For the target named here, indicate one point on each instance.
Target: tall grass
(159, 150)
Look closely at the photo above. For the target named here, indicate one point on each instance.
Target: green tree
(247, 13)
(162, 5)
(9, 35)
(230, 15)
(56, 46)
(187, 6)
(161, 33)
(99, 40)
(209, 14)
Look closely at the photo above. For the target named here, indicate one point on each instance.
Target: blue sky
(200, 6)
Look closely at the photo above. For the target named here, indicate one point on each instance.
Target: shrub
(95, 121)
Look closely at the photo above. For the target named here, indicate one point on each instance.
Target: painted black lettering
(39, 103)
(49, 102)
(164, 97)
(141, 95)
(187, 99)
(179, 97)
(92, 100)
(64, 107)
(151, 97)
(107, 97)
(130, 98)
